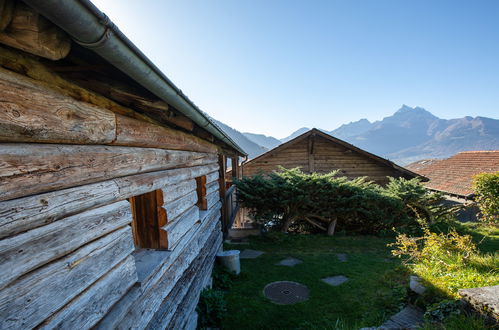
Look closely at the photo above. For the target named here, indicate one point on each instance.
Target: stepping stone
(250, 254)
(484, 299)
(408, 318)
(286, 292)
(290, 262)
(335, 280)
(416, 285)
(342, 257)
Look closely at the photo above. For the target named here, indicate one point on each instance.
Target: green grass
(376, 288)
(482, 268)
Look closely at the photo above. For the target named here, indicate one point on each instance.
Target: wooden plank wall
(67, 169)
(317, 154)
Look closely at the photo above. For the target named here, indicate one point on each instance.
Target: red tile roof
(454, 175)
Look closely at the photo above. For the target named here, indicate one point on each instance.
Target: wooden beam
(132, 132)
(28, 169)
(30, 112)
(33, 33)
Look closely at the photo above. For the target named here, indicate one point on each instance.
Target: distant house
(453, 176)
(112, 190)
(316, 151)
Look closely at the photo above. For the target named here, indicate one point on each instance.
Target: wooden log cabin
(111, 180)
(316, 151)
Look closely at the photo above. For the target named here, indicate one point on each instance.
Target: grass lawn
(376, 288)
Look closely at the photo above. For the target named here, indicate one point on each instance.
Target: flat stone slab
(250, 254)
(416, 285)
(409, 318)
(485, 299)
(290, 262)
(286, 292)
(335, 280)
(342, 257)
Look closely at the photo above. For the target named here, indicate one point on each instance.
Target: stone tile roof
(454, 175)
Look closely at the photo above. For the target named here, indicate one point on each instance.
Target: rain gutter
(92, 29)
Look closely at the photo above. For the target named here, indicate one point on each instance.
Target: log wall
(67, 254)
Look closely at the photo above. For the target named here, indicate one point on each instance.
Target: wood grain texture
(37, 295)
(212, 199)
(84, 311)
(132, 132)
(201, 191)
(33, 33)
(213, 176)
(176, 191)
(211, 187)
(29, 212)
(179, 206)
(30, 112)
(177, 229)
(27, 169)
(22, 253)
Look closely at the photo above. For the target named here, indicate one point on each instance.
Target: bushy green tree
(290, 199)
(486, 188)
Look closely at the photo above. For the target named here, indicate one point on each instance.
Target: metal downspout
(92, 29)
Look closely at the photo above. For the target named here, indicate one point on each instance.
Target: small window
(201, 190)
(148, 218)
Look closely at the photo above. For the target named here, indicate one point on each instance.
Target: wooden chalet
(316, 151)
(112, 182)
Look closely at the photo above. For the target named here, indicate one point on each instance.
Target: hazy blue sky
(273, 66)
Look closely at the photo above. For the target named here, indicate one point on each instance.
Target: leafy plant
(211, 308)
(442, 310)
(486, 188)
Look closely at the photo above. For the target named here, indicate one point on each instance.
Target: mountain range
(410, 134)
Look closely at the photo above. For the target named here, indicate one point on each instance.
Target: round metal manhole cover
(286, 292)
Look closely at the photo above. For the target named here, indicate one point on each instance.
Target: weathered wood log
(25, 213)
(160, 286)
(211, 177)
(33, 33)
(176, 191)
(37, 295)
(22, 253)
(211, 187)
(28, 169)
(187, 289)
(212, 199)
(179, 206)
(30, 112)
(84, 311)
(177, 229)
(132, 132)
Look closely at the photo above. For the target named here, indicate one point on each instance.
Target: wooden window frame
(201, 191)
(149, 217)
